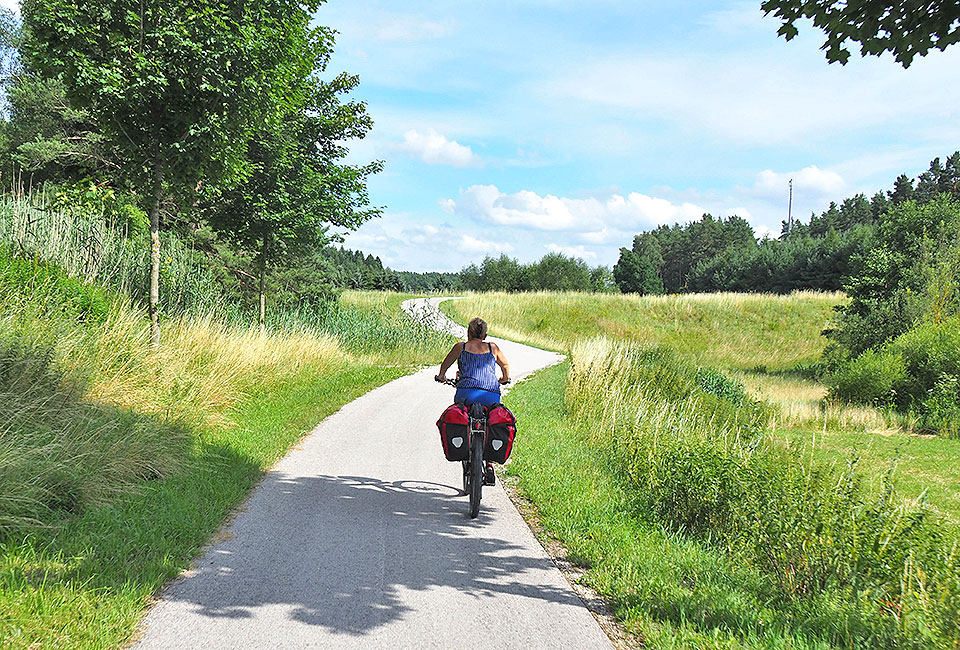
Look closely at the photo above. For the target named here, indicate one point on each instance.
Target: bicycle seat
(478, 410)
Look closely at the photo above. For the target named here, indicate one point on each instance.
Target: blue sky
(531, 126)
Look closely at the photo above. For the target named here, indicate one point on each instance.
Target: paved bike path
(360, 538)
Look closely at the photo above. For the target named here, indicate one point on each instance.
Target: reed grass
(704, 466)
(87, 245)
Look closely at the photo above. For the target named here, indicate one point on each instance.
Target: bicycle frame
(473, 468)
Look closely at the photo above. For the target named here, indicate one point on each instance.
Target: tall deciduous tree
(298, 186)
(905, 29)
(174, 86)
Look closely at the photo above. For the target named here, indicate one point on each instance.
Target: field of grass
(923, 466)
(735, 331)
(774, 499)
(669, 588)
(117, 465)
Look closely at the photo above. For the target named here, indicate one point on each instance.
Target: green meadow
(687, 459)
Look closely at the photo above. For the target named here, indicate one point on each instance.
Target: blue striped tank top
(478, 370)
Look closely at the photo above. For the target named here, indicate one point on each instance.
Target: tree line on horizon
(724, 254)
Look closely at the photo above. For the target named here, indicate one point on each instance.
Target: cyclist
(477, 380)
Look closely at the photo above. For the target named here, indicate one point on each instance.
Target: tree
(907, 275)
(557, 272)
(602, 280)
(902, 189)
(174, 87)
(636, 273)
(500, 274)
(298, 187)
(905, 29)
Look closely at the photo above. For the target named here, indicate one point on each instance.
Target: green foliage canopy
(174, 87)
(905, 29)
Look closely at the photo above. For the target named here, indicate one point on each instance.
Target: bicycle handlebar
(453, 382)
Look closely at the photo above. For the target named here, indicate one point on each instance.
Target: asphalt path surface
(361, 538)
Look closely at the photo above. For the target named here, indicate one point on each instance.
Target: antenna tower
(790, 209)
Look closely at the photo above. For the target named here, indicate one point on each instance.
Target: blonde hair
(477, 329)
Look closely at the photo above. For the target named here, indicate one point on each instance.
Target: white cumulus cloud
(530, 210)
(571, 251)
(762, 232)
(433, 148)
(811, 180)
(473, 245)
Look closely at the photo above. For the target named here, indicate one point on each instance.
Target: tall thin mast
(790, 209)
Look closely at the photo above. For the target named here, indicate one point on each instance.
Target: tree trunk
(155, 253)
(263, 278)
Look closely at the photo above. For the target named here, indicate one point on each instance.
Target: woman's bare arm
(449, 359)
(502, 362)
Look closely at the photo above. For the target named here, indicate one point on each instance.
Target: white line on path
(360, 538)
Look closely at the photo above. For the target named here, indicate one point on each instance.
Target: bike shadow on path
(352, 553)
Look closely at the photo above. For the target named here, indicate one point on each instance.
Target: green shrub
(940, 411)
(917, 372)
(872, 378)
(716, 383)
(46, 285)
(930, 351)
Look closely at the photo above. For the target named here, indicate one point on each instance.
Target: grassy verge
(86, 582)
(723, 473)
(681, 589)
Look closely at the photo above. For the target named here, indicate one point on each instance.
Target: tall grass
(87, 410)
(802, 403)
(88, 246)
(701, 464)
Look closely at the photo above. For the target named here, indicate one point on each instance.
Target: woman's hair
(477, 329)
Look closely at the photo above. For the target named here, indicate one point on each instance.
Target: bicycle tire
(466, 476)
(476, 474)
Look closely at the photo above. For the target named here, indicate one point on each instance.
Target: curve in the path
(360, 538)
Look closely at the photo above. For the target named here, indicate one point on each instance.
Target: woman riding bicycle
(477, 381)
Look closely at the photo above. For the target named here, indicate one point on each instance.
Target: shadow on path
(339, 552)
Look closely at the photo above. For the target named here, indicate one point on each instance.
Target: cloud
(754, 96)
(434, 149)
(526, 209)
(761, 232)
(738, 20)
(473, 245)
(810, 180)
(571, 251)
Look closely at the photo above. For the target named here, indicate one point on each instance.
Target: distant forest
(724, 255)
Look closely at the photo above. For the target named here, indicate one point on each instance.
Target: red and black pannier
(502, 429)
(453, 432)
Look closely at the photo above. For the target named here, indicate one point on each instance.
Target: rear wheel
(466, 476)
(476, 473)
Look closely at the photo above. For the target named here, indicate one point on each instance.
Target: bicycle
(473, 467)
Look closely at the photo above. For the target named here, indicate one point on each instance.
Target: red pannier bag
(453, 432)
(503, 427)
